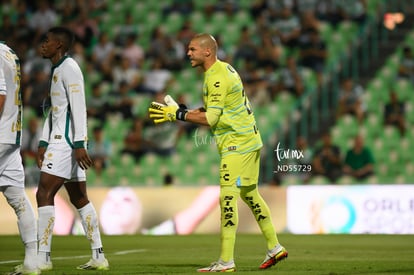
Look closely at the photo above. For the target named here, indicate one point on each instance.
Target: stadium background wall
(305, 209)
(144, 207)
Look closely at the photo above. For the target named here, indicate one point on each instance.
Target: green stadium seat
(338, 134)
(319, 180)
(245, 4)
(405, 89)
(243, 18)
(189, 174)
(197, 19)
(405, 150)
(387, 75)
(285, 102)
(391, 137)
(325, 30)
(379, 90)
(408, 172)
(379, 151)
(153, 18)
(347, 180)
(373, 124)
(290, 180)
(232, 31)
(173, 22)
(348, 30)
(384, 173)
(409, 112)
(336, 49)
(348, 125)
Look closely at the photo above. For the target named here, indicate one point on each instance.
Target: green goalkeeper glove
(172, 111)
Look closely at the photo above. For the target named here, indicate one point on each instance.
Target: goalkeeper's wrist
(181, 112)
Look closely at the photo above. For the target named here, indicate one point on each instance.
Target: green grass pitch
(308, 254)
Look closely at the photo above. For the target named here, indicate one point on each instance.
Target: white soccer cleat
(95, 265)
(24, 270)
(219, 266)
(45, 266)
(274, 256)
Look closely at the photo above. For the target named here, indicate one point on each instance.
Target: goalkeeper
(228, 113)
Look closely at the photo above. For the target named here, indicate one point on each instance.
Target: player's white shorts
(60, 161)
(11, 167)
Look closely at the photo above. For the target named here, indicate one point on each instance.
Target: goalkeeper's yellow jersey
(236, 130)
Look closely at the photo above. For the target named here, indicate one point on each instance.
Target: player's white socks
(26, 222)
(46, 224)
(91, 226)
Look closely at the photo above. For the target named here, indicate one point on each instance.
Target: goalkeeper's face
(196, 53)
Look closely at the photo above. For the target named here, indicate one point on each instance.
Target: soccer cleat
(95, 265)
(274, 256)
(22, 270)
(219, 267)
(45, 266)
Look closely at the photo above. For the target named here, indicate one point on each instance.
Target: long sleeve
(74, 86)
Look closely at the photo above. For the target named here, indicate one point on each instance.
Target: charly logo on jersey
(289, 160)
(55, 78)
(225, 172)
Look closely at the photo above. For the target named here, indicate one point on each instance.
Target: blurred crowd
(272, 53)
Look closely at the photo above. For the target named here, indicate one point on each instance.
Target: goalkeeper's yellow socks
(261, 212)
(229, 221)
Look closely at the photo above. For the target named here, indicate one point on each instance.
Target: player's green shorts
(240, 169)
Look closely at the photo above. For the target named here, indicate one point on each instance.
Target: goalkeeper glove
(170, 112)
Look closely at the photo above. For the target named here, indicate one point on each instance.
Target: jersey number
(247, 104)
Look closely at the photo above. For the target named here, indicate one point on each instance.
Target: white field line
(122, 252)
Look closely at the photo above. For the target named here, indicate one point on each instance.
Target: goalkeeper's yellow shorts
(240, 169)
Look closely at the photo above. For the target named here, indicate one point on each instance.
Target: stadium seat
(373, 124)
(173, 22)
(405, 154)
(346, 180)
(197, 19)
(232, 31)
(243, 18)
(405, 90)
(348, 30)
(379, 91)
(348, 124)
(340, 138)
(291, 180)
(319, 180)
(326, 31)
(392, 136)
(408, 172)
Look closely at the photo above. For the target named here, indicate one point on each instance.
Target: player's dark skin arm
(197, 116)
(2, 101)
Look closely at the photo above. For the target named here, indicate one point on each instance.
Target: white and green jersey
(11, 117)
(235, 131)
(67, 119)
